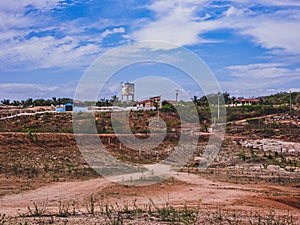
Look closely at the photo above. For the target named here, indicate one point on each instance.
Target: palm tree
(5, 102)
(54, 101)
(195, 99)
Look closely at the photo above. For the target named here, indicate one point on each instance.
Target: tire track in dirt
(189, 189)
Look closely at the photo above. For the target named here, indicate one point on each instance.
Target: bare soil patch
(45, 180)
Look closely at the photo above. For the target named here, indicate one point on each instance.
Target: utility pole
(290, 102)
(176, 95)
(218, 107)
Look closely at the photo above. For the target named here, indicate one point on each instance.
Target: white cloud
(19, 90)
(26, 90)
(167, 6)
(276, 31)
(262, 70)
(32, 39)
(113, 31)
(22, 88)
(273, 31)
(45, 52)
(233, 11)
(14, 13)
(280, 30)
(178, 22)
(257, 79)
(258, 92)
(20, 6)
(270, 2)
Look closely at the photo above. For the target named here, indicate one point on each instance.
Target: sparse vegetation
(38, 150)
(37, 210)
(150, 213)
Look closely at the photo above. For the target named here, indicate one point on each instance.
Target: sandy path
(53, 193)
(190, 189)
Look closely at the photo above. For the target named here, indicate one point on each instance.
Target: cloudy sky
(252, 47)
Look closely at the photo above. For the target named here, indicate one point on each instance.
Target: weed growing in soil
(98, 212)
(37, 210)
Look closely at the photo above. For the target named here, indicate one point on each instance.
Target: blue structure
(67, 108)
(59, 110)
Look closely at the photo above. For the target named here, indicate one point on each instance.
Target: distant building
(66, 108)
(145, 103)
(127, 92)
(245, 101)
(151, 103)
(109, 109)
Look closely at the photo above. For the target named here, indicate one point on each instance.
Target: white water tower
(127, 92)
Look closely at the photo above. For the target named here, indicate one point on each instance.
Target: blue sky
(252, 47)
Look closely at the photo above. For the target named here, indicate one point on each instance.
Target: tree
(16, 103)
(298, 100)
(114, 99)
(54, 101)
(167, 107)
(227, 99)
(105, 102)
(203, 101)
(63, 101)
(28, 102)
(39, 102)
(5, 102)
(195, 99)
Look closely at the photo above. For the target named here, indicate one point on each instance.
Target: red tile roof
(144, 101)
(253, 100)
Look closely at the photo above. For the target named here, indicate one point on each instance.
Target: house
(245, 101)
(151, 103)
(145, 103)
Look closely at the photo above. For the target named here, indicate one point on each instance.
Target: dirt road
(183, 189)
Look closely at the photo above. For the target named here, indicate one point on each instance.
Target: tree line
(57, 101)
(37, 102)
(276, 99)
